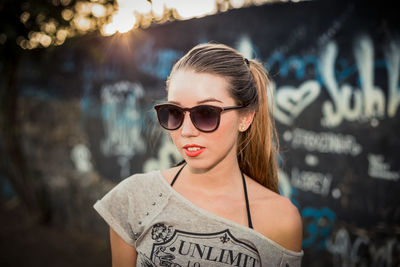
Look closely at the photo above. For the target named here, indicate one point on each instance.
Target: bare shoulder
(275, 217)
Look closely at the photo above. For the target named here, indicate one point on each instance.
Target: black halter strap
(244, 189)
(176, 175)
(247, 201)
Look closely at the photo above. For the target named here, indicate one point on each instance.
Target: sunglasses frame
(219, 110)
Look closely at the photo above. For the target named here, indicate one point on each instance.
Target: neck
(215, 179)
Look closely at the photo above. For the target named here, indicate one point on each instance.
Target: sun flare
(126, 17)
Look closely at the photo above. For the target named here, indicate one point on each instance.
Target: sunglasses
(205, 118)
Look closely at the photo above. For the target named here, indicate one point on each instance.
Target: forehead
(189, 87)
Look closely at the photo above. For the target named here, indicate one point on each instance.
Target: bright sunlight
(125, 18)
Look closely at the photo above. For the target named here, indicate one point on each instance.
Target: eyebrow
(211, 99)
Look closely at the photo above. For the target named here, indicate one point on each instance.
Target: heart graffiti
(291, 101)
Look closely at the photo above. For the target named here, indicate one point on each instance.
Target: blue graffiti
(87, 101)
(346, 71)
(68, 65)
(106, 72)
(299, 64)
(294, 197)
(161, 65)
(124, 110)
(319, 226)
(38, 93)
(89, 104)
(6, 189)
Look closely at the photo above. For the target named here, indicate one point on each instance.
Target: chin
(195, 163)
(200, 165)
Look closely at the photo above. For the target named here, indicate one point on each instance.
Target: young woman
(221, 207)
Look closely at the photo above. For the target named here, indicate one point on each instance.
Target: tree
(27, 25)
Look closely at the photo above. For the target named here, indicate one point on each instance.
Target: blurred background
(78, 80)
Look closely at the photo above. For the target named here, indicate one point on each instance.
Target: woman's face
(203, 151)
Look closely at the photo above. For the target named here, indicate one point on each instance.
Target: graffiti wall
(334, 67)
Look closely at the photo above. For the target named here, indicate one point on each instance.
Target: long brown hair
(249, 86)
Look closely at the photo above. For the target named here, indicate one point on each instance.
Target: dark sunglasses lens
(170, 117)
(205, 118)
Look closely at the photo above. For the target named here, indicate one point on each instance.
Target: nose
(187, 128)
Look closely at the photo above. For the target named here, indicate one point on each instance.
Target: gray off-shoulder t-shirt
(168, 230)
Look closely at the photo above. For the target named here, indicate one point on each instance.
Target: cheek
(230, 123)
(227, 132)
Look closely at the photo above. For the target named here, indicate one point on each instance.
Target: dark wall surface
(85, 111)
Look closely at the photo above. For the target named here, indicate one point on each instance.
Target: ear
(246, 118)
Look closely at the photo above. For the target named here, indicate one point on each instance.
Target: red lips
(193, 150)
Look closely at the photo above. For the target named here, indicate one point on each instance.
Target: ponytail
(259, 145)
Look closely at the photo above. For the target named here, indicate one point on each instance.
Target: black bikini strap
(245, 195)
(247, 202)
(176, 175)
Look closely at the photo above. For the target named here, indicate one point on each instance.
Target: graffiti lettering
(350, 103)
(373, 97)
(392, 56)
(362, 252)
(377, 168)
(347, 102)
(324, 142)
(315, 182)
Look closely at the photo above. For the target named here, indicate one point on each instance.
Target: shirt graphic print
(175, 248)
